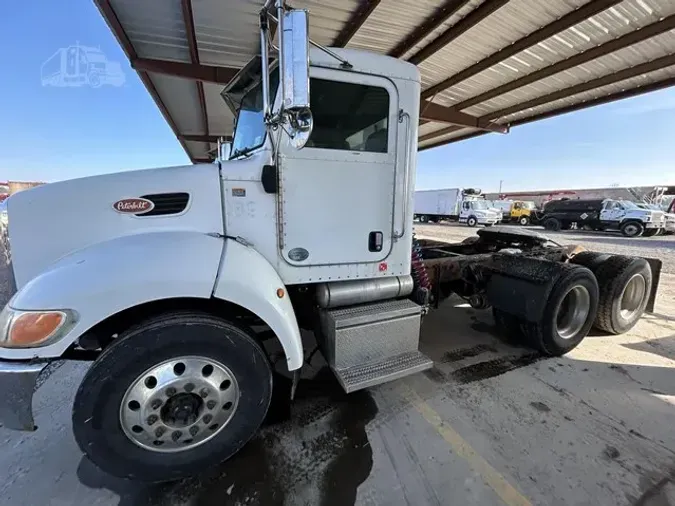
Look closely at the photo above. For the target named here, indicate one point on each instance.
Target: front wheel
(175, 395)
(424, 218)
(524, 220)
(471, 221)
(632, 229)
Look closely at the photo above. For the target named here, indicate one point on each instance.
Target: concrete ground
(491, 424)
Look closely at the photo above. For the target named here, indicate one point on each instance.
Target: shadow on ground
(316, 452)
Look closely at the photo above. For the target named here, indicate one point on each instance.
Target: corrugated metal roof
(469, 52)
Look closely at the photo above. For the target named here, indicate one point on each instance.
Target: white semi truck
(466, 205)
(170, 278)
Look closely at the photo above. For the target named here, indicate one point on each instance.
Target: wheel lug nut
(189, 387)
(170, 391)
(175, 435)
(194, 430)
(156, 404)
(207, 418)
(204, 393)
(159, 431)
(152, 419)
(211, 404)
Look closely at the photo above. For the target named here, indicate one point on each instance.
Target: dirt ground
(491, 424)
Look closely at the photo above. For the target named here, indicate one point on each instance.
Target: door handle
(406, 168)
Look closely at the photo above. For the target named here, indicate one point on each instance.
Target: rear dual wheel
(567, 318)
(171, 397)
(625, 286)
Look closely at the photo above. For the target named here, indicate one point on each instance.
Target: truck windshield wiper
(241, 152)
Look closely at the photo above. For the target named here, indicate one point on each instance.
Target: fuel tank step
(369, 344)
(373, 373)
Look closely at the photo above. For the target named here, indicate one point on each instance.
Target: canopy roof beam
(559, 25)
(439, 16)
(462, 26)
(622, 42)
(356, 21)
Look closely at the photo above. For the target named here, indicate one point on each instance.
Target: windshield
(528, 205)
(479, 205)
(250, 129)
(627, 204)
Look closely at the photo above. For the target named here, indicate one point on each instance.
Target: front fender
(246, 278)
(108, 277)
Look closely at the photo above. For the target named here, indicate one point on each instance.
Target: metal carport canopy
(486, 65)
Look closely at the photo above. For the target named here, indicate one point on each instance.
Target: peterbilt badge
(133, 206)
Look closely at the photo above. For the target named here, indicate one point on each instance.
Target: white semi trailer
(161, 276)
(465, 205)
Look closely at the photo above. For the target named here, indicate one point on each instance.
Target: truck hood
(49, 222)
(656, 216)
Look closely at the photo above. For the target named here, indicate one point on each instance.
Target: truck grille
(167, 203)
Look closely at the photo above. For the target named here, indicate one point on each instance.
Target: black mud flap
(520, 286)
(656, 266)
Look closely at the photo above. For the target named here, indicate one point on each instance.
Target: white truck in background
(182, 284)
(466, 205)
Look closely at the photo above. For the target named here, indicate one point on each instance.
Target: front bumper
(17, 384)
(488, 221)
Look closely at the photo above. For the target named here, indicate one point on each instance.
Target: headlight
(648, 218)
(31, 329)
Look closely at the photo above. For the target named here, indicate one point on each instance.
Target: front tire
(424, 219)
(471, 221)
(524, 220)
(175, 395)
(632, 229)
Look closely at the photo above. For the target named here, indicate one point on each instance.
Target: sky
(50, 133)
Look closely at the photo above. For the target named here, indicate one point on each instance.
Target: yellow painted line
(489, 474)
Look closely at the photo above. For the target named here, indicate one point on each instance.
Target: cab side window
(348, 116)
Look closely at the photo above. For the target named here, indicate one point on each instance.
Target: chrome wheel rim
(632, 296)
(573, 311)
(179, 404)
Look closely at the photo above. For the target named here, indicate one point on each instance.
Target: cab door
(337, 193)
(611, 212)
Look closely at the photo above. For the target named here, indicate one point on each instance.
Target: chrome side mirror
(294, 67)
(294, 60)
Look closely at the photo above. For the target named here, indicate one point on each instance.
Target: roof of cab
(366, 62)
(485, 65)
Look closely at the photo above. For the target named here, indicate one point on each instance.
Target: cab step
(367, 375)
(369, 344)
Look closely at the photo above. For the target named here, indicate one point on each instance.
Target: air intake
(167, 203)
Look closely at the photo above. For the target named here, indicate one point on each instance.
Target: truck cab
(477, 211)
(521, 211)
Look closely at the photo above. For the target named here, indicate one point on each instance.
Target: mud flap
(656, 266)
(520, 286)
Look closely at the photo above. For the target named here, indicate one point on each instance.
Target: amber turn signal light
(30, 329)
